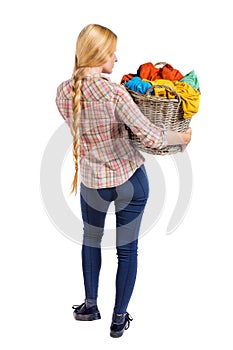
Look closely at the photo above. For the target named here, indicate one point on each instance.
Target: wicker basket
(160, 110)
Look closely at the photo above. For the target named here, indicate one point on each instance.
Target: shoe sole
(116, 334)
(91, 317)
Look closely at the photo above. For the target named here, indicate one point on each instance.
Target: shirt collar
(97, 75)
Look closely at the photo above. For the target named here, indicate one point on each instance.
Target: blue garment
(129, 199)
(136, 84)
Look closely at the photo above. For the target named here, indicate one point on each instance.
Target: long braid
(79, 73)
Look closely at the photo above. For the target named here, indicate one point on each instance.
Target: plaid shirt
(107, 156)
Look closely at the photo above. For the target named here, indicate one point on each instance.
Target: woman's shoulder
(120, 91)
(99, 87)
(63, 89)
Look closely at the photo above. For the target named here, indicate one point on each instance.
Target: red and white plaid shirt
(107, 156)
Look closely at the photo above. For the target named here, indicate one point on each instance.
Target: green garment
(191, 79)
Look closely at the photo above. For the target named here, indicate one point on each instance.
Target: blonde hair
(95, 46)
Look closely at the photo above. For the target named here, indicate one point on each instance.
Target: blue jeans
(129, 199)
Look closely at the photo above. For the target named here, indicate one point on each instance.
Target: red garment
(170, 73)
(127, 77)
(150, 72)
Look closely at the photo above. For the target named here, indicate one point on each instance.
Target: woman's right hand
(179, 138)
(186, 136)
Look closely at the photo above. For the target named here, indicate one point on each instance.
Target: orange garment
(150, 72)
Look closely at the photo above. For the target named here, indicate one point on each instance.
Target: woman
(111, 168)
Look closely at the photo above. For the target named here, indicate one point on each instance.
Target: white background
(183, 294)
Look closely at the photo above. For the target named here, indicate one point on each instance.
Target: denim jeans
(129, 199)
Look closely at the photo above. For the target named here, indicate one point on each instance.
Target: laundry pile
(148, 75)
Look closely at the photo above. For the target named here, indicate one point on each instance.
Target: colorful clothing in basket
(107, 156)
(190, 97)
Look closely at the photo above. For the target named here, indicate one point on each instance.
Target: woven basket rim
(154, 98)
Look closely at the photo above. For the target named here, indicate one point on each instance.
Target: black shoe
(82, 313)
(120, 322)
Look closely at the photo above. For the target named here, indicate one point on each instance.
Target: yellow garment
(162, 92)
(190, 97)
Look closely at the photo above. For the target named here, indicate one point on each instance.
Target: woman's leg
(130, 204)
(94, 206)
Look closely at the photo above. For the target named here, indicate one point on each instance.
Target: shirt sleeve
(150, 135)
(64, 100)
